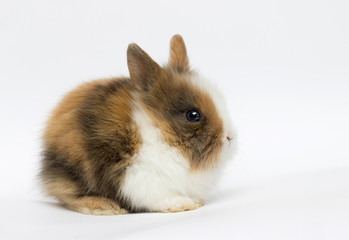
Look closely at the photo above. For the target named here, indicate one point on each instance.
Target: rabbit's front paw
(179, 204)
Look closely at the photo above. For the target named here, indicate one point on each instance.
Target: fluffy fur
(118, 145)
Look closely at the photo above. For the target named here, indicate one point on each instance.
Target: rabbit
(154, 142)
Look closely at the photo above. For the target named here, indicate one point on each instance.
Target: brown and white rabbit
(153, 142)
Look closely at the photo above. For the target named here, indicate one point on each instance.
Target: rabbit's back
(89, 140)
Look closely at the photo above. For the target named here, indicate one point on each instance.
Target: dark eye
(193, 116)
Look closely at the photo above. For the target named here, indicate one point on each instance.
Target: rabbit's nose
(229, 138)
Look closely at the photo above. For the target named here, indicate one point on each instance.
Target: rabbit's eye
(193, 116)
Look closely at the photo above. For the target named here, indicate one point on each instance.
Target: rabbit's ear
(143, 70)
(178, 54)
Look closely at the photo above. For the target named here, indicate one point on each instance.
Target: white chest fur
(160, 178)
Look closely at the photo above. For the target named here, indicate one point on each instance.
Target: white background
(283, 66)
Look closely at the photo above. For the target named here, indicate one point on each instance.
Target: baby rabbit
(153, 142)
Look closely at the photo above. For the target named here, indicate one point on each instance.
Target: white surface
(302, 206)
(282, 64)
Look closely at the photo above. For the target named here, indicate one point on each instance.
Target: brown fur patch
(61, 187)
(110, 136)
(89, 141)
